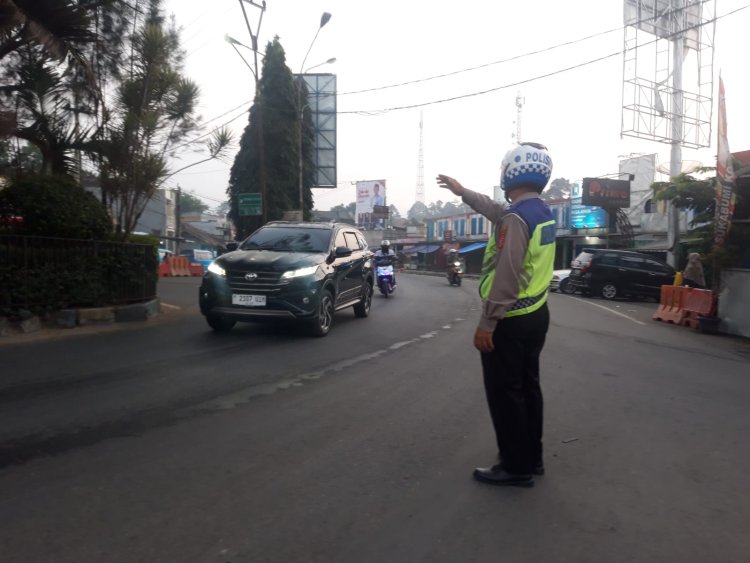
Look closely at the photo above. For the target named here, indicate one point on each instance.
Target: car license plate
(248, 300)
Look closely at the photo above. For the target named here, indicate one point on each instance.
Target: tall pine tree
(269, 146)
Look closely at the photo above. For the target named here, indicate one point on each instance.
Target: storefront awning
(471, 247)
(422, 249)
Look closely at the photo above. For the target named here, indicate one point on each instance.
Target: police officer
(516, 272)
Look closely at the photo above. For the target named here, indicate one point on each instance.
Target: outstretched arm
(478, 202)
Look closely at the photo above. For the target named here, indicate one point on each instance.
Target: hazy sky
(576, 113)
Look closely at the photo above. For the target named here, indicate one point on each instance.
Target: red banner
(725, 178)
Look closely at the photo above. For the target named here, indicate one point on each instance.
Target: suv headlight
(214, 268)
(299, 273)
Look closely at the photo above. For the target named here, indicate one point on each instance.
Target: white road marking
(610, 310)
(168, 306)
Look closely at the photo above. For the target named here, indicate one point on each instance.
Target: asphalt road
(166, 442)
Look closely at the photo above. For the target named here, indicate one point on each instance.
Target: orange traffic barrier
(164, 270)
(179, 266)
(671, 304)
(701, 302)
(196, 269)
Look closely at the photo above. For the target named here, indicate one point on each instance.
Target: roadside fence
(57, 273)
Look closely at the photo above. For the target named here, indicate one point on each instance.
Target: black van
(619, 273)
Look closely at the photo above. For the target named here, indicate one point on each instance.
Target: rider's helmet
(385, 246)
(526, 165)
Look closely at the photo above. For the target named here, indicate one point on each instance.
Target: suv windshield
(289, 239)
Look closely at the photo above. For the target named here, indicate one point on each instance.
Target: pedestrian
(693, 275)
(516, 271)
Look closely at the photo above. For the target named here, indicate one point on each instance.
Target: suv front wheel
(609, 291)
(219, 323)
(324, 319)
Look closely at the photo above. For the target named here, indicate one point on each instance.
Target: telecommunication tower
(519, 107)
(420, 163)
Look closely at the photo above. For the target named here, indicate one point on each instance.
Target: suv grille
(266, 283)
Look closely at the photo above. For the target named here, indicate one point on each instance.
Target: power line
(502, 61)
(532, 79)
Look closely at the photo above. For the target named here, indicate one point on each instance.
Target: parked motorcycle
(385, 277)
(455, 272)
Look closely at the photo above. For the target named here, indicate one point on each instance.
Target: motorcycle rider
(386, 252)
(452, 258)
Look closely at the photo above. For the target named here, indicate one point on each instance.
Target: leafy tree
(191, 204)
(559, 188)
(269, 146)
(19, 158)
(62, 58)
(54, 207)
(221, 209)
(154, 110)
(688, 192)
(698, 195)
(393, 212)
(57, 26)
(342, 209)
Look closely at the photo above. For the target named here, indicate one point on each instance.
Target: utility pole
(262, 175)
(675, 163)
(178, 221)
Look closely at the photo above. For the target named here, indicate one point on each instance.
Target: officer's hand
(483, 341)
(451, 184)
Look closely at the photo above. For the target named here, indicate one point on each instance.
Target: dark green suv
(296, 271)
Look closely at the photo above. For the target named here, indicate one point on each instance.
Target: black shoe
(496, 475)
(538, 468)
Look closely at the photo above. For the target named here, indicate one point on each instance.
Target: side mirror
(232, 246)
(342, 251)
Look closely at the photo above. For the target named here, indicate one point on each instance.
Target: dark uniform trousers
(514, 395)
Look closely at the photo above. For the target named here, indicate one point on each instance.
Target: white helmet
(528, 165)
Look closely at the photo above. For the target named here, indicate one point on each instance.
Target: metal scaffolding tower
(667, 92)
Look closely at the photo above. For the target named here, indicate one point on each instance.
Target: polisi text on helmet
(538, 157)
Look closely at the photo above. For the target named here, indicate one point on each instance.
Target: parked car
(560, 282)
(301, 272)
(619, 273)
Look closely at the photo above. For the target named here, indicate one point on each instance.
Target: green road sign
(250, 204)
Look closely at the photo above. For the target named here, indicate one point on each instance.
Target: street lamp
(254, 33)
(324, 19)
(233, 42)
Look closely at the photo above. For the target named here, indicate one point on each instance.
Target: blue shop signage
(585, 216)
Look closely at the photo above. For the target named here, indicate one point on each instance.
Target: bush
(52, 206)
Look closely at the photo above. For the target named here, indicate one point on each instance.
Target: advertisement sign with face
(371, 201)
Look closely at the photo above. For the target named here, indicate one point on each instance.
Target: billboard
(606, 192)
(585, 216)
(321, 99)
(371, 201)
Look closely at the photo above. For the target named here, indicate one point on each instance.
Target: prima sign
(605, 192)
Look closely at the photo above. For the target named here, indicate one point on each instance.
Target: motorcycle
(384, 272)
(454, 273)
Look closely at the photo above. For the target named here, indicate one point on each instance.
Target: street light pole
(300, 113)
(262, 178)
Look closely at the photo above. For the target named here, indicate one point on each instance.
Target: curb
(81, 317)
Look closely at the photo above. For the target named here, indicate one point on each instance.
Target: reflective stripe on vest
(538, 261)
